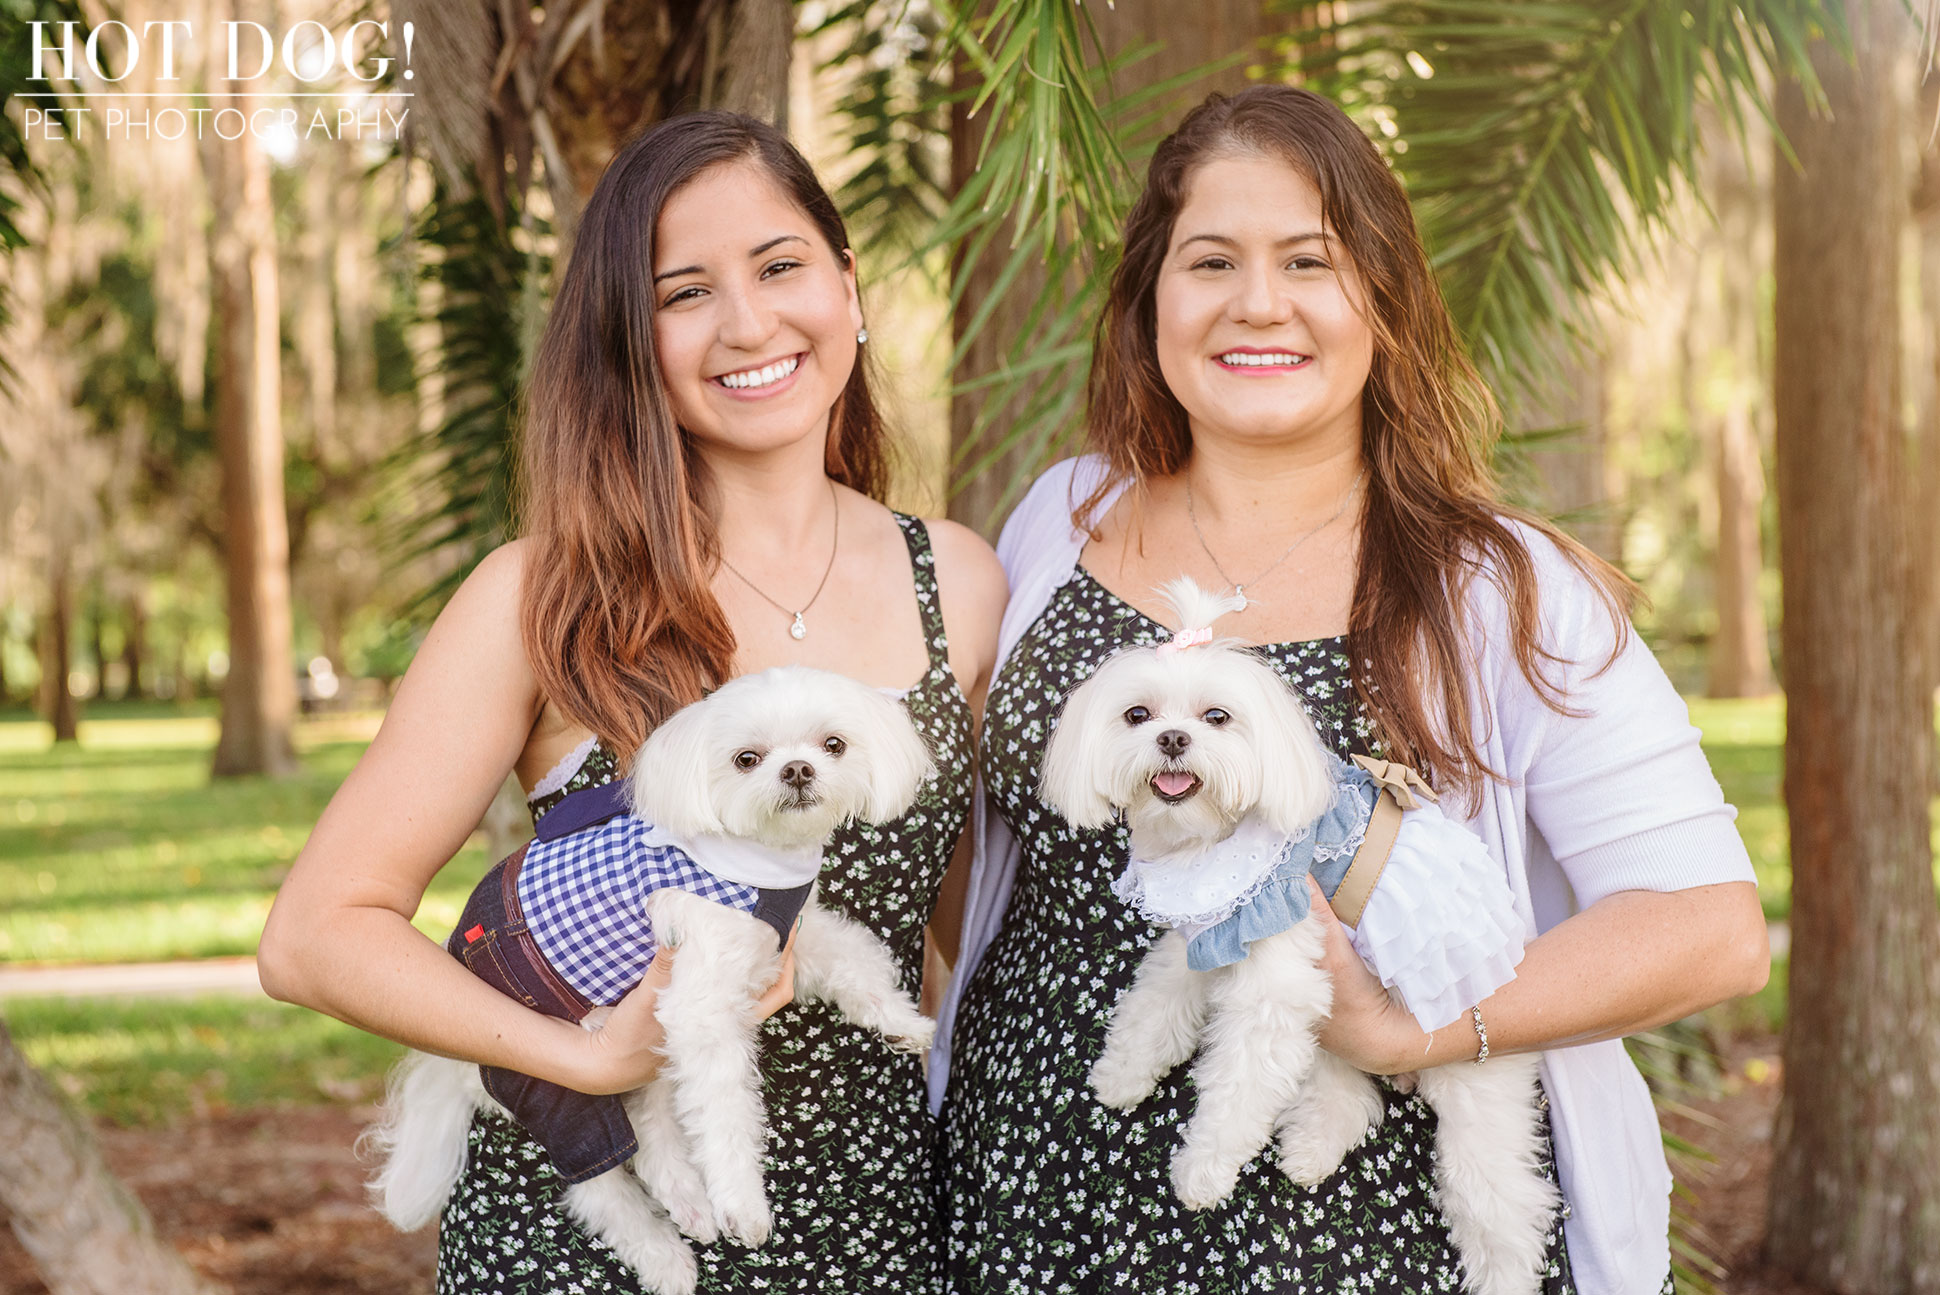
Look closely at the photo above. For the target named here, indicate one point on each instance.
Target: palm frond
(894, 117)
(1544, 145)
(19, 177)
(1041, 209)
(487, 286)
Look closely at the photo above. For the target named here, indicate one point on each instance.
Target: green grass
(1745, 741)
(145, 1061)
(121, 847)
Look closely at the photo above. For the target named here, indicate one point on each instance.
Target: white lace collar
(1193, 896)
(733, 859)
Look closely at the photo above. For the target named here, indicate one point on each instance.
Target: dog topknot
(1194, 607)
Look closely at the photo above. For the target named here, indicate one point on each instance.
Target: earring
(861, 336)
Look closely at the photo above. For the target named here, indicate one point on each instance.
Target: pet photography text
(155, 83)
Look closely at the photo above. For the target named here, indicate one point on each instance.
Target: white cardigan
(1618, 798)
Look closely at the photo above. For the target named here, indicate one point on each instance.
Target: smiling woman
(1279, 407)
(702, 469)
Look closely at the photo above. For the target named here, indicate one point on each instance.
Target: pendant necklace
(799, 629)
(1240, 589)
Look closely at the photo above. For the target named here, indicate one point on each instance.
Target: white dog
(735, 798)
(1231, 800)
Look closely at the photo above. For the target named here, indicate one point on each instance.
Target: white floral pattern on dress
(851, 1142)
(1046, 1189)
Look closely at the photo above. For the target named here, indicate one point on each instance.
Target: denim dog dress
(582, 882)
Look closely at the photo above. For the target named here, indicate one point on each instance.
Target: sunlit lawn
(122, 848)
(146, 1061)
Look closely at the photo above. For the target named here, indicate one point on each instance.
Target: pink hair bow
(1185, 639)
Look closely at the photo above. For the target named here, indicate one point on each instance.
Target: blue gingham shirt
(585, 900)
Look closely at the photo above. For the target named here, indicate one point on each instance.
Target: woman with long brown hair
(702, 470)
(1280, 406)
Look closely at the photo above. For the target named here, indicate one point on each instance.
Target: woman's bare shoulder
(966, 560)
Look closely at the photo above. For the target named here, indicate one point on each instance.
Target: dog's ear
(671, 786)
(899, 759)
(1296, 778)
(1075, 781)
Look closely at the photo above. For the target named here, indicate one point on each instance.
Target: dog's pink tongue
(1172, 784)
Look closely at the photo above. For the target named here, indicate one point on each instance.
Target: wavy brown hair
(1432, 520)
(617, 617)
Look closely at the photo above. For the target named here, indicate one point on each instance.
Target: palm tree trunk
(1855, 1183)
(259, 696)
(754, 60)
(82, 1228)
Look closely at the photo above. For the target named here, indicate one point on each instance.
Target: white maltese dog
(1231, 802)
(732, 801)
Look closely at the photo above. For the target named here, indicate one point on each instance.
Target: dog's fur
(1253, 1024)
(700, 1122)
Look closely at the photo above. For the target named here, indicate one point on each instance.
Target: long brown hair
(1432, 520)
(618, 619)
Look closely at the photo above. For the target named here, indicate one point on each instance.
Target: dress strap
(922, 562)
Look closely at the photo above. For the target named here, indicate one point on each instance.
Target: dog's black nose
(1174, 743)
(798, 773)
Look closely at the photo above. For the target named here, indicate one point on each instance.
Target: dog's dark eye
(835, 745)
(1215, 717)
(747, 759)
(1137, 715)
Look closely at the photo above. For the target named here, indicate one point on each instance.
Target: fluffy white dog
(1231, 801)
(734, 799)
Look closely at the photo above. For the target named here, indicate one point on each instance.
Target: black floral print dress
(851, 1141)
(1047, 1190)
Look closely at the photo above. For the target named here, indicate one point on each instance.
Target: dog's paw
(1306, 1160)
(913, 1036)
(1201, 1180)
(664, 1263)
(747, 1223)
(1120, 1086)
(692, 1215)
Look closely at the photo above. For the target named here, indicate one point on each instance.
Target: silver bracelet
(1481, 1034)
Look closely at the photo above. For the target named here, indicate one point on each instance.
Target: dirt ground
(270, 1202)
(263, 1202)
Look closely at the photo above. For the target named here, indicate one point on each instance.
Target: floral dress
(1046, 1189)
(850, 1141)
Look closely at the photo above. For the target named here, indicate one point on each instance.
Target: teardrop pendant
(798, 630)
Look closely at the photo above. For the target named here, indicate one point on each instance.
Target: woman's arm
(1619, 790)
(339, 938)
(1631, 961)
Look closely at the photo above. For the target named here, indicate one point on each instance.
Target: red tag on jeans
(475, 934)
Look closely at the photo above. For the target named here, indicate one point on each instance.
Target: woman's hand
(1368, 1029)
(626, 1052)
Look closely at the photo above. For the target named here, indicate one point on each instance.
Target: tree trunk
(1193, 35)
(133, 632)
(1855, 1204)
(98, 644)
(1926, 212)
(259, 696)
(1740, 656)
(87, 1234)
(753, 74)
(57, 704)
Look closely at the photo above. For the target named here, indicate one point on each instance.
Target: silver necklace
(799, 630)
(1192, 515)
